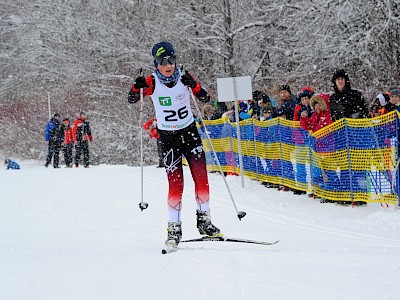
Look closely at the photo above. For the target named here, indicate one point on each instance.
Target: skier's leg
(194, 153)
(172, 159)
(195, 156)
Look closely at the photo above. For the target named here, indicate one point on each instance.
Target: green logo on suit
(165, 101)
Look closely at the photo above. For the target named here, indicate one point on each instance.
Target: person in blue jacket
(11, 165)
(54, 135)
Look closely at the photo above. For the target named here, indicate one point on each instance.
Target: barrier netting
(349, 160)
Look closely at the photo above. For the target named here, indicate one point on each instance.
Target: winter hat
(256, 94)
(382, 99)
(305, 93)
(395, 92)
(285, 87)
(321, 99)
(307, 88)
(264, 98)
(161, 50)
(66, 119)
(243, 106)
(56, 115)
(339, 73)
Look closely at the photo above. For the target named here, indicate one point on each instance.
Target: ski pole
(142, 205)
(240, 214)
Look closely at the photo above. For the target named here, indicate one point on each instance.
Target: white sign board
(234, 88)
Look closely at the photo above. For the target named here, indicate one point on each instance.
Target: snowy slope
(79, 234)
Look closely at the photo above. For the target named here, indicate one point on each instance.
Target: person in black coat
(348, 103)
(345, 101)
(54, 136)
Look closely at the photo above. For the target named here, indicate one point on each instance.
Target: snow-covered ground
(79, 234)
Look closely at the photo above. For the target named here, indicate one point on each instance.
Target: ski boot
(174, 234)
(205, 226)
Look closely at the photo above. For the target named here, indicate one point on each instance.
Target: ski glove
(188, 80)
(140, 83)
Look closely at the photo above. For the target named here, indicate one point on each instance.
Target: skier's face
(166, 70)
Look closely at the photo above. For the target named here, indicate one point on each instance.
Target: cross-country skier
(169, 90)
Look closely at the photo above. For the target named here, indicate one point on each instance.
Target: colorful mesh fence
(349, 160)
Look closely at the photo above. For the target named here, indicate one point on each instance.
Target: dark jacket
(81, 131)
(348, 103)
(54, 132)
(287, 108)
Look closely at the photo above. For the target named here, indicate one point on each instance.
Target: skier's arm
(201, 94)
(146, 83)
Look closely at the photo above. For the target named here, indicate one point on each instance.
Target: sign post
(234, 89)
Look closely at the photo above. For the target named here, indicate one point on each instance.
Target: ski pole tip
(241, 214)
(143, 205)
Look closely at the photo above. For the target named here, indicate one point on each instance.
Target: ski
(171, 247)
(227, 239)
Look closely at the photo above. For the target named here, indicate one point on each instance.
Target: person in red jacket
(170, 90)
(319, 119)
(67, 144)
(321, 116)
(81, 135)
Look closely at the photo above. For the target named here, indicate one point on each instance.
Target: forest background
(85, 54)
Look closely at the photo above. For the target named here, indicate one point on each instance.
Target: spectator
(288, 102)
(81, 135)
(68, 143)
(54, 137)
(220, 108)
(319, 119)
(378, 106)
(243, 111)
(321, 116)
(346, 102)
(252, 107)
(286, 111)
(268, 112)
(267, 135)
(208, 112)
(301, 152)
(303, 105)
(263, 100)
(11, 165)
(395, 99)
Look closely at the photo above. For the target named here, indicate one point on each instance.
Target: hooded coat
(348, 103)
(317, 120)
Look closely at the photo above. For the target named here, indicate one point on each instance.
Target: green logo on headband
(160, 51)
(165, 101)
